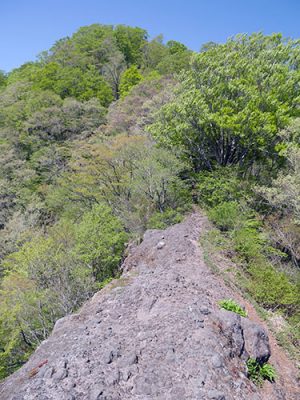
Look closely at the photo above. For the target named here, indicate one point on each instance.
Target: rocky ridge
(156, 333)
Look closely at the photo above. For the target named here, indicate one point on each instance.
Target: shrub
(231, 305)
(100, 241)
(271, 288)
(219, 186)
(129, 78)
(258, 373)
(163, 220)
(248, 243)
(225, 215)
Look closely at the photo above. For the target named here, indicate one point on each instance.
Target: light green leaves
(231, 105)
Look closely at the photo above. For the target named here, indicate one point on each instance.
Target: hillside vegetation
(109, 134)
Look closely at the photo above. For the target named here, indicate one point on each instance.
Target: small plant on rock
(258, 373)
(231, 305)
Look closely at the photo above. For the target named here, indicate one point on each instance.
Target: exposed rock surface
(156, 333)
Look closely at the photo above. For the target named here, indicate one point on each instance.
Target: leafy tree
(100, 240)
(113, 69)
(57, 124)
(88, 42)
(207, 46)
(50, 162)
(17, 308)
(156, 179)
(46, 76)
(230, 107)
(73, 82)
(154, 52)
(130, 42)
(130, 78)
(84, 47)
(3, 79)
(18, 102)
(24, 73)
(176, 47)
(283, 195)
(46, 282)
(83, 85)
(166, 59)
(132, 114)
(175, 63)
(220, 186)
(134, 178)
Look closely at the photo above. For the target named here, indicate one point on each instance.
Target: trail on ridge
(156, 333)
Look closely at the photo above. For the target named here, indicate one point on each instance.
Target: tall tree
(130, 41)
(231, 105)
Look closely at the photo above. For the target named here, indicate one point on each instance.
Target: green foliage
(100, 241)
(79, 172)
(220, 185)
(272, 288)
(24, 73)
(51, 276)
(225, 215)
(231, 305)
(227, 110)
(74, 82)
(18, 102)
(174, 63)
(60, 123)
(282, 195)
(131, 115)
(130, 174)
(166, 59)
(176, 47)
(246, 239)
(131, 41)
(154, 52)
(249, 242)
(17, 307)
(162, 220)
(269, 287)
(3, 79)
(258, 373)
(130, 78)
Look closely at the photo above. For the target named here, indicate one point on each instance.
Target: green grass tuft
(231, 305)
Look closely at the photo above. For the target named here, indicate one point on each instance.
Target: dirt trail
(156, 333)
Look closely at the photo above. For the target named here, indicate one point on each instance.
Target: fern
(258, 373)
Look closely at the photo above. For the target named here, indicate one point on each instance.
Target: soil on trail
(156, 333)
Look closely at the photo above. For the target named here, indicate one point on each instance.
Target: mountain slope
(157, 333)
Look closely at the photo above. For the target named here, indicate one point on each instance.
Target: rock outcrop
(156, 333)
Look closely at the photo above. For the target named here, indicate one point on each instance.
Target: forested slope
(109, 134)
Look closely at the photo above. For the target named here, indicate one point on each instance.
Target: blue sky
(29, 26)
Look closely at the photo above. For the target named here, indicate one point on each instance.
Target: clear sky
(29, 26)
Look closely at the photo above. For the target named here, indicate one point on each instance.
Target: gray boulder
(256, 341)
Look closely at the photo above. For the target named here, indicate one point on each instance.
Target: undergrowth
(258, 268)
(258, 373)
(231, 305)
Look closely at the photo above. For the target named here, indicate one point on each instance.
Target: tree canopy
(231, 105)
